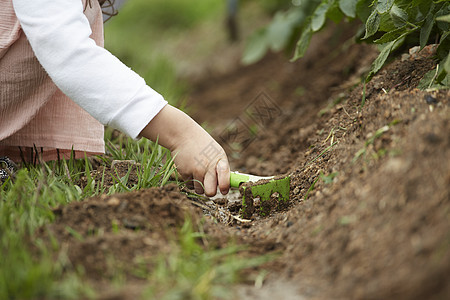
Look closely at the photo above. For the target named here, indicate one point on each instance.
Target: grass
(25, 205)
(29, 270)
(192, 273)
(378, 133)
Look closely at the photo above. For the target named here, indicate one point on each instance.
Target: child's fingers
(223, 175)
(198, 182)
(210, 182)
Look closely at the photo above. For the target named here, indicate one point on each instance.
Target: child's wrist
(169, 127)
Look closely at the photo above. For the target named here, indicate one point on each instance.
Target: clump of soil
(104, 233)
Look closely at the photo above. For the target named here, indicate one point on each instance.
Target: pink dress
(34, 114)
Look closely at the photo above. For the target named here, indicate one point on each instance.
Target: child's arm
(198, 155)
(59, 34)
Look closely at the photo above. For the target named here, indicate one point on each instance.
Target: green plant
(327, 179)
(154, 167)
(28, 270)
(191, 272)
(25, 206)
(387, 23)
(371, 140)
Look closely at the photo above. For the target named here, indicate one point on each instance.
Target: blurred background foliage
(168, 40)
(172, 42)
(139, 34)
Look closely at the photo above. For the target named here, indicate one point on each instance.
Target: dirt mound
(370, 170)
(104, 233)
(365, 231)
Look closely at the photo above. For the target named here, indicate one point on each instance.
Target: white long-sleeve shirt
(59, 34)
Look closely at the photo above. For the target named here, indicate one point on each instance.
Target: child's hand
(201, 161)
(198, 157)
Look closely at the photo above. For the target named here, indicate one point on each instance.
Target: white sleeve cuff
(133, 117)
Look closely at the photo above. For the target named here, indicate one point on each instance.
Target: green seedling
(273, 192)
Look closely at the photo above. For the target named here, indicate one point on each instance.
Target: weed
(327, 179)
(370, 141)
(321, 154)
(190, 272)
(363, 100)
(311, 187)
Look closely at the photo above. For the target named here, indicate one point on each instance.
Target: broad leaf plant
(387, 23)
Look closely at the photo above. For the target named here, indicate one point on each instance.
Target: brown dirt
(370, 185)
(376, 224)
(106, 233)
(105, 177)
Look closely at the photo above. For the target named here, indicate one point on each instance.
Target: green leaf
(380, 60)
(280, 30)
(444, 46)
(363, 9)
(387, 49)
(303, 43)
(391, 35)
(444, 37)
(429, 81)
(419, 2)
(348, 7)
(443, 68)
(447, 64)
(318, 18)
(444, 18)
(398, 15)
(372, 24)
(426, 30)
(334, 13)
(256, 47)
(442, 11)
(386, 23)
(384, 6)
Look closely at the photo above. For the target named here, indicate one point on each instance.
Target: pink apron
(35, 116)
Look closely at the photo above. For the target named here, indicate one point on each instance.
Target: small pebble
(430, 99)
(135, 222)
(221, 201)
(113, 201)
(432, 138)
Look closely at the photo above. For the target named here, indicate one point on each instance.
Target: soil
(121, 225)
(369, 211)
